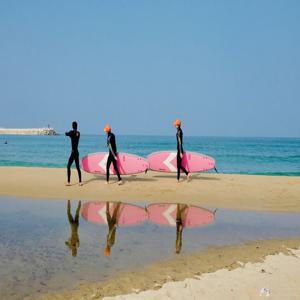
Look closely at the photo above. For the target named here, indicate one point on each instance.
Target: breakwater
(28, 131)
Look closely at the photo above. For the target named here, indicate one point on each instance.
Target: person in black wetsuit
(179, 137)
(180, 221)
(75, 136)
(73, 242)
(112, 222)
(112, 157)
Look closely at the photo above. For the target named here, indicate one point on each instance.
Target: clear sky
(226, 68)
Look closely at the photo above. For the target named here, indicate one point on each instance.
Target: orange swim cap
(177, 122)
(107, 128)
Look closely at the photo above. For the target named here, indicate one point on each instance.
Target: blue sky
(226, 68)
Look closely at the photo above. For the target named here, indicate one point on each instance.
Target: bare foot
(68, 184)
(106, 182)
(188, 177)
(120, 182)
(80, 184)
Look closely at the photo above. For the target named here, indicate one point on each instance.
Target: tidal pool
(51, 245)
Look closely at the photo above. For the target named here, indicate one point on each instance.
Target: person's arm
(68, 133)
(111, 150)
(180, 145)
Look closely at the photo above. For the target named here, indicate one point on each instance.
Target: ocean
(265, 156)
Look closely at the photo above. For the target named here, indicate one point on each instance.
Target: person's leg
(77, 212)
(116, 169)
(78, 166)
(70, 162)
(116, 211)
(109, 160)
(182, 167)
(70, 218)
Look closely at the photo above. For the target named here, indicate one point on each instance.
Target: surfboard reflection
(113, 214)
(181, 216)
(73, 242)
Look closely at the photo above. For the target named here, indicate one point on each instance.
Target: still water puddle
(52, 245)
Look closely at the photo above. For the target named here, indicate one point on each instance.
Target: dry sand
(265, 193)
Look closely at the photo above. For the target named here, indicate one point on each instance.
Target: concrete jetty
(28, 131)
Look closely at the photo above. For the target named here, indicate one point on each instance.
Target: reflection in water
(112, 221)
(35, 259)
(113, 214)
(73, 242)
(116, 214)
(180, 220)
(179, 215)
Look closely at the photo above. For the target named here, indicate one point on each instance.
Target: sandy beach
(215, 265)
(243, 192)
(277, 277)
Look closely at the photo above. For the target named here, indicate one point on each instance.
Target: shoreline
(233, 191)
(59, 167)
(178, 268)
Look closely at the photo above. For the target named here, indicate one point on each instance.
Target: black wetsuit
(179, 137)
(73, 243)
(111, 144)
(112, 222)
(180, 217)
(75, 136)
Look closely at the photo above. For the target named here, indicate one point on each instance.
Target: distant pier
(28, 131)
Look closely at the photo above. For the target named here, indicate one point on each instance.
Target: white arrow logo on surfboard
(102, 214)
(167, 214)
(168, 160)
(102, 163)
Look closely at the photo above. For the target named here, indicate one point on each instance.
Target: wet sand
(180, 267)
(243, 192)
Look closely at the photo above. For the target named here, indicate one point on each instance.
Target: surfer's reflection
(73, 242)
(112, 216)
(180, 218)
(179, 215)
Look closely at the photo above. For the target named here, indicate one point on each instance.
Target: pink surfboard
(166, 161)
(129, 214)
(165, 214)
(127, 163)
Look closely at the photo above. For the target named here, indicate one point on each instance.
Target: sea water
(268, 156)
